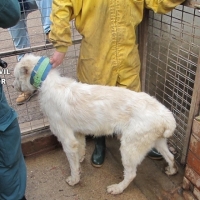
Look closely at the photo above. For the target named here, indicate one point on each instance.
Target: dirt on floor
(47, 173)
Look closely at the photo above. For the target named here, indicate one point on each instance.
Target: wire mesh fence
(172, 60)
(29, 115)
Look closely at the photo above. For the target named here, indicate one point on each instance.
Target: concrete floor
(47, 173)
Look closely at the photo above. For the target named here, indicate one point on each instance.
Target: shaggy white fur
(75, 110)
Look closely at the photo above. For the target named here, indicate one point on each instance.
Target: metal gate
(171, 63)
(30, 117)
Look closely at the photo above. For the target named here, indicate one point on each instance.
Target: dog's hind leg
(161, 146)
(130, 161)
(81, 148)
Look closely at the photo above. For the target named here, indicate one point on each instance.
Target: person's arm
(60, 34)
(162, 6)
(63, 11)
(9, 13)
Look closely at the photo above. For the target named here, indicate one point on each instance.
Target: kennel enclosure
(169, 47)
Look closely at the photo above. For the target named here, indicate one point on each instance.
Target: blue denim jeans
(19, 32)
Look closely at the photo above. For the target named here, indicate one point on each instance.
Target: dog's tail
(170, 126)
(168, 133)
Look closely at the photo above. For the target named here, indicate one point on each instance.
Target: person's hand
(57, 59)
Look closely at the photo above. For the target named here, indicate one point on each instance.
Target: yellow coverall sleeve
(62, 12)
(162, 6)
(65, 10)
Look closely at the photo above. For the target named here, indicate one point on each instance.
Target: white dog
(75, 109)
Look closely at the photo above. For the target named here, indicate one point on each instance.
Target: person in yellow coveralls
(109, 50)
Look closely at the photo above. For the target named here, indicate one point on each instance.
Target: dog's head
(22, 73)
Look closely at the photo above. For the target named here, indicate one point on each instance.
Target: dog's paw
(171, 171)
(72, 181)
(114, 189)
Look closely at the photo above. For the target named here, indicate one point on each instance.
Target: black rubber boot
(154, 154)
(98, 155)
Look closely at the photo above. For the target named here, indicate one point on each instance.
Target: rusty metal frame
(31, 49)
(194, 111)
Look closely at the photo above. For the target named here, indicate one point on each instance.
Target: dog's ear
(24, 70)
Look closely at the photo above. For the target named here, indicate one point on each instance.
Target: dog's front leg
(70, 146)
(75, 169)
(130, 160)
